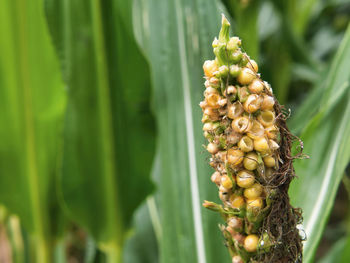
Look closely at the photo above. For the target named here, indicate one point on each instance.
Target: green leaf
(326, 139)
(339, 253)
(109, 131)
(142, 247)
(176, 37)
(32, 102)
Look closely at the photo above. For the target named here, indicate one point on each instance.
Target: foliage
(78, 80)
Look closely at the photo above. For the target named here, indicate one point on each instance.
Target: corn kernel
(235, 222)
(237, 201)
(216, 178)
(251, 243)
(252, 104)
(261, 145)
(246, 144)
(237, 259)
(209, 67)
(250, 161)
(226, 182)
(246, 76)
(252, 65)
(241, 124)
(208, 126)
(269, 161)
(245, 179)
(253, 192)
(212, 148)
(256, 130)
(256, 86)
(267, 103)
(212, 100)
(234, 156)
(266, 118)
(235, 110)
(255, 203)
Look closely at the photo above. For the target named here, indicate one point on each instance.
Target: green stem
(113, 253)
(43, 251)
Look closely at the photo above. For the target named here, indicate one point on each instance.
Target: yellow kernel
(256, 130)
(252, 104)
(209, 67)
(221, 155)
(237, 259)
(266, 118)
(235, 222)
(256, 86)
(251, 243)
(237, 201)
(226, 182)
(235, 110)
(210, 90)
(250, 161)
(212, 148)
(212, 100)
(245, 179)
(241, 124)
(267, 102)
(223, 196)
(261, 145)
(255, 203)
(216, 177)
(231, 90)
(246, 76)
(271, 132)
(246, 144)
(269, 161)
(234, 156)
(214, 82)
(252, 65)
(208, 126)
(212, 113)
(253, 192)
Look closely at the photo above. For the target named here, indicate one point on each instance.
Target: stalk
(250, 147)
(113, 253)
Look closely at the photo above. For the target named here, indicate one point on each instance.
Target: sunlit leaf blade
(32, 102)
(109, 132)
(326, 140)
(176, 37)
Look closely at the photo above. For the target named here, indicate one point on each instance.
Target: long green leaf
(176, 37)
(326, 139)
(32, 102)
(109, 132)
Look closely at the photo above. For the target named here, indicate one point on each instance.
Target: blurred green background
(101, 146)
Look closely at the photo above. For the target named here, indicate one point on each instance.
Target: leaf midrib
(114, 219)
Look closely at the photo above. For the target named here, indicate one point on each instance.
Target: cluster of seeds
(239, 122)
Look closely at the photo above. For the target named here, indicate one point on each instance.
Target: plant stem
(113, 253)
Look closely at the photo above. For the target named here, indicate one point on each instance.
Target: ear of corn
(242, 121)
